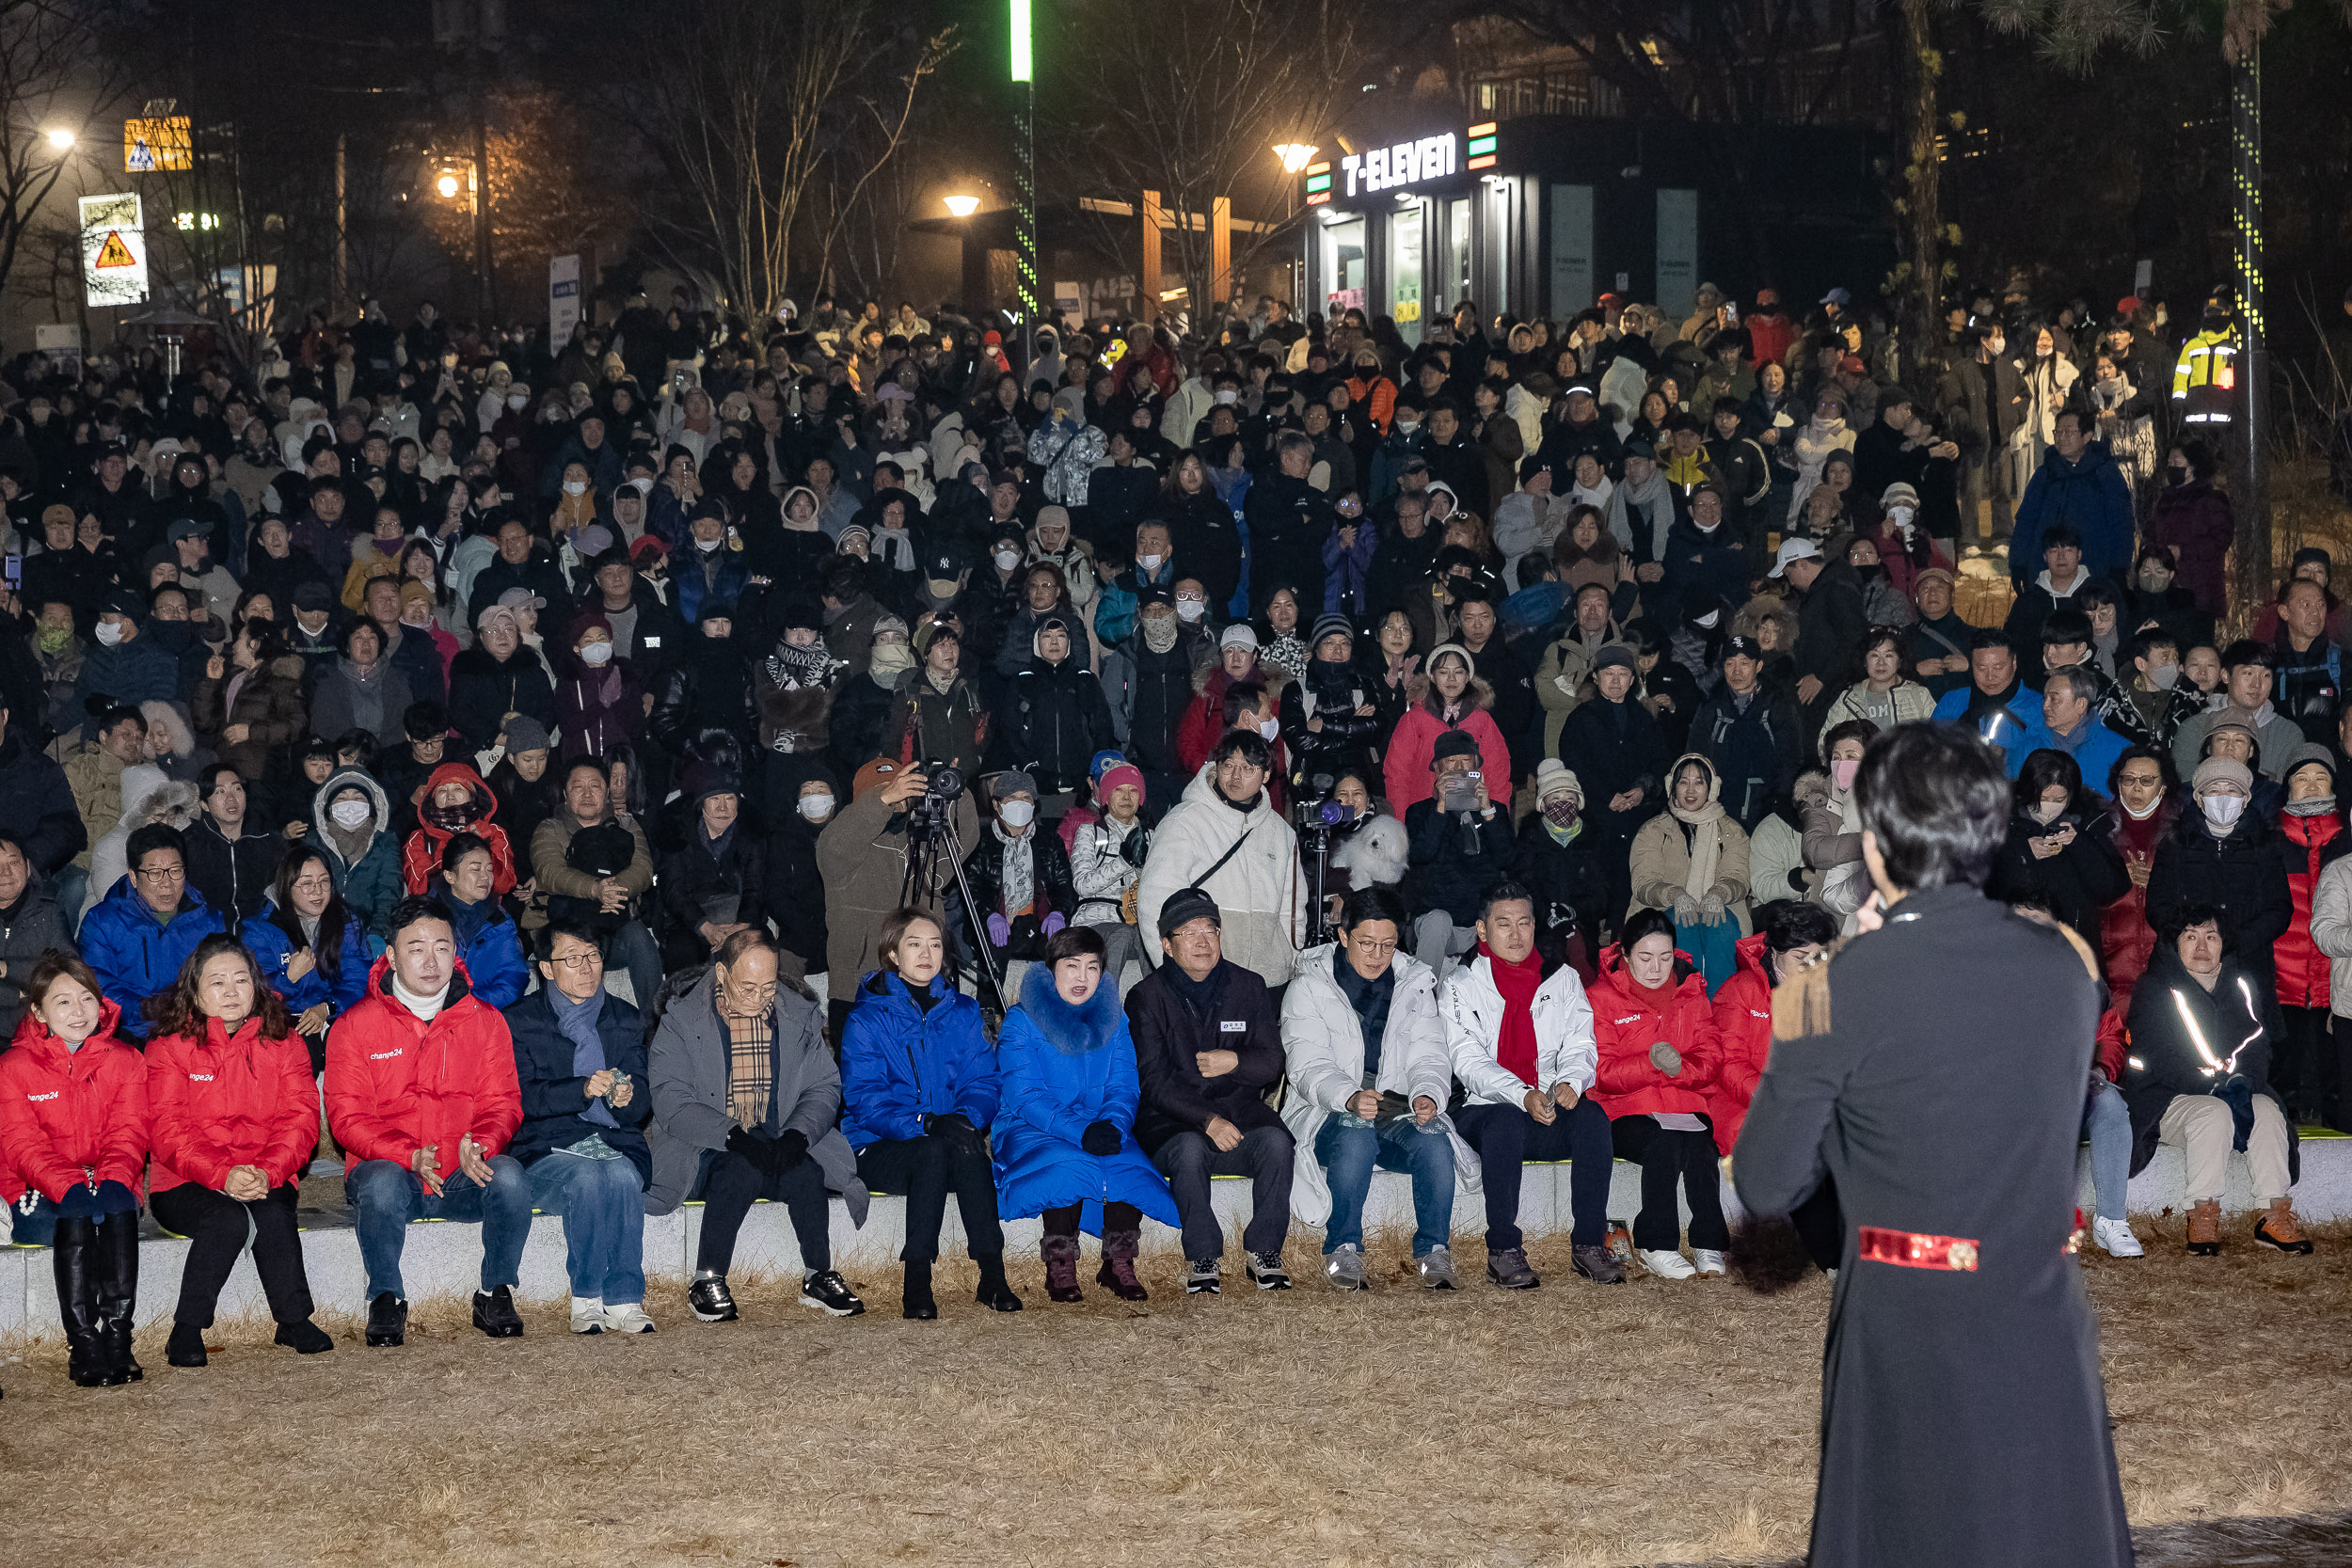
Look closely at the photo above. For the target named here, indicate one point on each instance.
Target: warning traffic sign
(112, 252)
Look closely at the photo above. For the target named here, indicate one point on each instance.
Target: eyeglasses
(314, 884)
(164, 874)
(577, 961)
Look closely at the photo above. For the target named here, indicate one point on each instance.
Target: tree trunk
(1923, 209)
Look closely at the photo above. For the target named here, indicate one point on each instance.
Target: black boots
(118, 1247)
(96, 1265)
(994, 1292)
(915, 1303)
(186, 1347)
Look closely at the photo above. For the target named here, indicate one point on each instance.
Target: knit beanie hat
(2222, 770)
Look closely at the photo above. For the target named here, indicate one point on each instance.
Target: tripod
(924, 846)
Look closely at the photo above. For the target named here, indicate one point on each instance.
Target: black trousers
(1821, 1225)
(217, 1226)
(1665, 1158)
(2301, 1070)
(1188, 1160)
(923, 1171)
(1117, 1217)
(730, 1184)
(1506, 1137)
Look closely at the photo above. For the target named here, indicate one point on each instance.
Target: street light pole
(2250, 480)
(485, 292)
(1025, 259)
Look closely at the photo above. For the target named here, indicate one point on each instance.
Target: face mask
(1017, 813)
(1560, 812)
(2154, 582)
(1269, 728)
(1149, 563)
(1900, 515)
(706, 545)
(1228, 395)
(2164, 677)
(2175, 476)
(575, 486)
(1189, 610)
(1868, 573)
(815, 807)
(450, 818)
(2223, 810)
(2318, 806)
(596, 653)
(516, 400)
(1841, 774)
(2153, 801)
(1159, 633)
(1706, 621)
(109, 632)
(53, 639)
(1007, 560)
(349, 814)
(2047, 812)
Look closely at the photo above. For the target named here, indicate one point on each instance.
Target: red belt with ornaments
(1909, 1250)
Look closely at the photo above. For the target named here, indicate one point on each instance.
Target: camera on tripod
(928, 813)
(1315, 812)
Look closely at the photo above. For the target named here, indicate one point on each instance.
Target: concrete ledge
(445, 1259)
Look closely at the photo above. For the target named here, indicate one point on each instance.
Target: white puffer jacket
(1323, 1045)
(1261, 891)
(1564, 1034)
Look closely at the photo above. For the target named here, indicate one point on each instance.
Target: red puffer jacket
(421, 857)
(62, 1111)
(396, 1083)
(2125, 938)
(1743, 1032)
(2306, 844)
(1628, 1021)
(227, 1100)
(2114, 1044)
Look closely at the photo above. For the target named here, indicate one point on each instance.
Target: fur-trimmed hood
(1074, 1031)
(1812, 788)
(1763, 607)
(167, 717)
(1477, 697)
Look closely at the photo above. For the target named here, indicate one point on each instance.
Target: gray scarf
(576, 1022)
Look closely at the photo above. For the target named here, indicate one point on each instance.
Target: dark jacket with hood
(234, 875)
(2240, 875)
(2240, 1025)
(1056, 720)
(1054, 891)
(37, 806)
(484, 689)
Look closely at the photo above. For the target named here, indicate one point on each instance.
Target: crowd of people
(1281, 752)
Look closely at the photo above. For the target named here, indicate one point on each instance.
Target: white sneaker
(1707, 1259)
(1667, 1265)
(588, 1315)
(2116, 1236)
(630, 1317)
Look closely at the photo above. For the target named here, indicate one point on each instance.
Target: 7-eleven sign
(114, 251)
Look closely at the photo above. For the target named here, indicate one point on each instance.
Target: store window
(1405, 271)
(1457, 241)
(1346, 271)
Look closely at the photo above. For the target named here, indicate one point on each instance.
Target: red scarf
(1518, 982)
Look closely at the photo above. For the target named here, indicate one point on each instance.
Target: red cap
(1613, 299)
(991, 336)
(647, 545)
(1853, 365)
(2127, 306)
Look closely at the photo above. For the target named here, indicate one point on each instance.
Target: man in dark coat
(1962, 1418)
(1618, 751)
(1289, 519)
(2227, 863)
(1830, 624)
(1208, 1046)
(36, 803)
(1751, 734)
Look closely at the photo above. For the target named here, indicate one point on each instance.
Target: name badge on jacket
(1232, 1026)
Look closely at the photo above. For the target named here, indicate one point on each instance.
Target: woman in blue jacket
(918, 1087)
(488, 940)
(1065, 1129)
(311, 950)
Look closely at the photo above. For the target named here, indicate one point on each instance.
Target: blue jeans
(1348, 1151)
(386, 1196)
(2110, 1122)
(70, 887)
(633, 948)
(603, 1205)
(37, 1226)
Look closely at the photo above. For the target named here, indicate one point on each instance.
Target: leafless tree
(1189, 100)
(748, 102)
(54, 74)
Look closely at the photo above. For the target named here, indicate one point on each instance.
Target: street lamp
(1295, 155)
(61, 139)
(963, 206)
(447, 185)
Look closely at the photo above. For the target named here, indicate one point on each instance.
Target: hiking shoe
(1707, 1259)
(1666, 1264)
(1344, 1267)
(388, 1320)
(827, 1292)
(710, 1298)
(1265, 1270)
(628, 1318)
(2116, 1236)
(2278, 1228)
(186, 1347)
(494, 1314)
(1595, 1263)
(1437, 1270)
(1201, 1277)
(2204, 1227)
(588, 1315)
(305, 1338)
(1508, 1269)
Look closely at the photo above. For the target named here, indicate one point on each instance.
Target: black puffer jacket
(1056, 720)
(1344, 742)
(2078, 882)
(728, 887)
(2241, 875)
(1054, 892)
(2241, 1025)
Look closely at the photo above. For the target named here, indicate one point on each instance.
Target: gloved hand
(1686, 910)
(1666, 1059)
(1101, 1138)
(955, 1127)
(1052, 923)
(999, 930)
(791, 1147)
(1711, 910)
(757, 1148)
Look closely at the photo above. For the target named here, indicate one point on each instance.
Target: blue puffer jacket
(899, 1064)
(1065, 1068)
(135, 956)
(492, 945)
(272, 948)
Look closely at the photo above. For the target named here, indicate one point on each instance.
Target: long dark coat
(1962, 1418)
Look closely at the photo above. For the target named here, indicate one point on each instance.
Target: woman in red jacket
(1659, 1054)
(1794, 932)
(235, 1116)
(73, 1140)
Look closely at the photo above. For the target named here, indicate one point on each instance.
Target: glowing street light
(447, 185)
(61, 139)
(1295, 155)
(963, 206)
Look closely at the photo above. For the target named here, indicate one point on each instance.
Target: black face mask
(2175, 474)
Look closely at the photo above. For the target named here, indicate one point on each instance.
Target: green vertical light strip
(1021, 41)
(1025, 259)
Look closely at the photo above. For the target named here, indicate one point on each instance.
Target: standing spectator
(143, 930)
(580, 1065)
(1621, 756)
(1065, 1141)
(2076, 484)
(2192, 518)
(1207, 1049)
(421, 1095)
(920, 1088)
(1830, 624)
(234, 1112)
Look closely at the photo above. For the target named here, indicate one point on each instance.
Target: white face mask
(575, 486)
(110, 632)
(815, 807)
(2045, 812)
(1228, 395)
(1187, 610)
(596, 653)
(349, 814)
(516, 400)
(2153, 801)
(1269, 727)
(1017, 813)
(1007, 560)
(1706, 621)
(2223, 810)
(1149, 563)
(1899, 516)
(706, 545)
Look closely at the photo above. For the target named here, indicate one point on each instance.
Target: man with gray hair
(2069, 724)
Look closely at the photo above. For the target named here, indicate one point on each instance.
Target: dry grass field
(1649, 1423)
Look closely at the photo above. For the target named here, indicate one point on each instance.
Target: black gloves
(955, 1125)
(757, 1148)
(788, 1148)
(1100, 1139)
